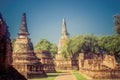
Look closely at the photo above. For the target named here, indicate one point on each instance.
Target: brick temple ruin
(60, 61)
(99, 65)
(24, 58)
(7, 72)
(5, 46)
(24, 62)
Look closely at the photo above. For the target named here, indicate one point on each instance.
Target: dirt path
(66, 76)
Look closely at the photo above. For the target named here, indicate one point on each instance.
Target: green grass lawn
(78, 75)
(51, 76)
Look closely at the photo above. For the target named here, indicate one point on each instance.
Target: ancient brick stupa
(24, 58)
(7, 72)
(60, 62)
(64, 36)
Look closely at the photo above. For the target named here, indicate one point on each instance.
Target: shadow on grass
(52, 75)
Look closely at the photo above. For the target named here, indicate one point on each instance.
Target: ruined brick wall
(5, 45)
(99, 65)
(47, 60)
(109, 61)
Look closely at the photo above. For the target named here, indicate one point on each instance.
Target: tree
(81, 43)
(117, 23)
(53, 49)
(12, 41)
(112, 45)
(89, 43)
(44, 44)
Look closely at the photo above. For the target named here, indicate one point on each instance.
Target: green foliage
(86, 43)
(44, 44)
(111, 45)
(12, 41)
(53, 49)
(78, 75)
(117, 23)
(81, 43)
(51, 76)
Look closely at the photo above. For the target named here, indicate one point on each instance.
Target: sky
(44, 17)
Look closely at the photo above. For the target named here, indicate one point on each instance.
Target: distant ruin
(99, 65)
(46, 60)
(61, 62)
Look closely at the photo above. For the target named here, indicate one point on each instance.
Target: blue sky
(44, 17)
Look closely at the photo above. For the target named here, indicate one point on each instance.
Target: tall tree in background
(89, 43)
(117, 23)
(44, 44)
(112, 45)
(81, 43)
(12, 41)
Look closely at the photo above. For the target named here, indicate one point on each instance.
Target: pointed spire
(64, 29)
(23, 28)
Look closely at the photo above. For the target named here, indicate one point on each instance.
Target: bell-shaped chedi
(7, 72)
(24, 58)
(60, 62)
(64, 36)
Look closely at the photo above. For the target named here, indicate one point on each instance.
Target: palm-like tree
(117, 23)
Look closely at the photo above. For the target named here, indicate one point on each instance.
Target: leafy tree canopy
(81, 43)
(12, 41)
(109, 44)
(44, 44)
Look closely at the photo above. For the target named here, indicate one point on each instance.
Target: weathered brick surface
(7, 72)
(46, 60)
(99, 65)
(24, 57)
